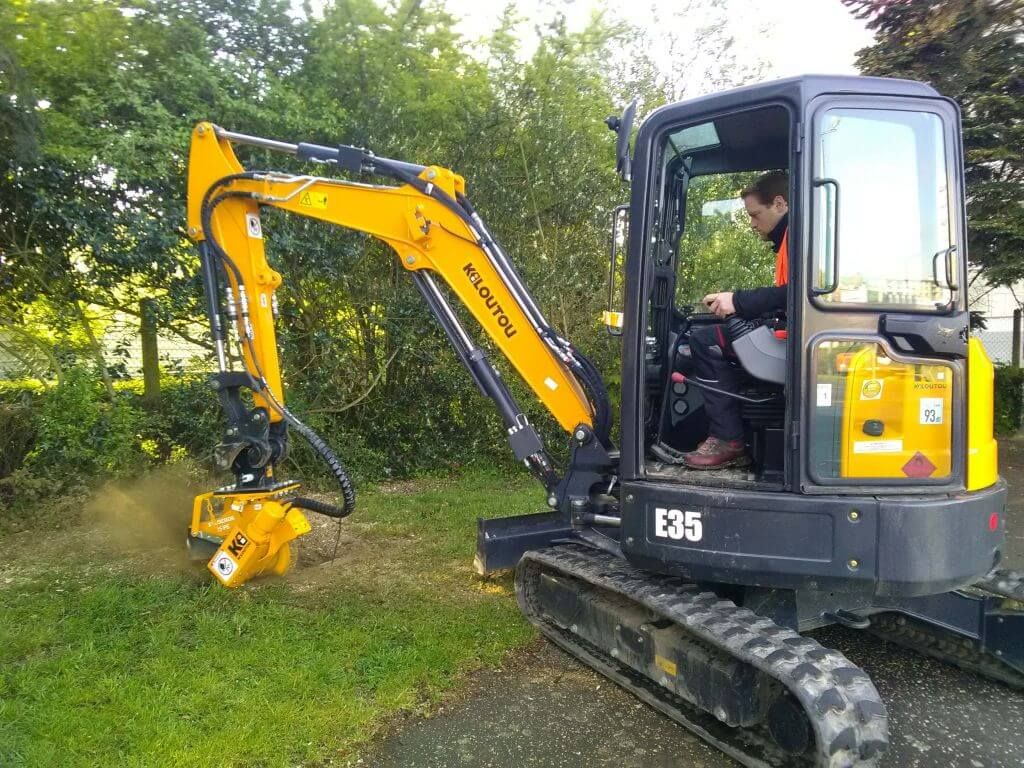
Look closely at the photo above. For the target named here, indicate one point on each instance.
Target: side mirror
(623, 126)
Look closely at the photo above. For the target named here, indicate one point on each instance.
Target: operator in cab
(767, 204)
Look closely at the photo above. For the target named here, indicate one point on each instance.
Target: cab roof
(760, 140)
(797, 90)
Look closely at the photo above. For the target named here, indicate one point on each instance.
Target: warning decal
(313, 199)
(223, 566)
(252, 226)
(919, 466)
(871, 389)
(878, 446)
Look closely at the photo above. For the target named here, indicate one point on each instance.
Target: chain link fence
(998, 339)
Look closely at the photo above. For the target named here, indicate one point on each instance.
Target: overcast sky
(792, 37)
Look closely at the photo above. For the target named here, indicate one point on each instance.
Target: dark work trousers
(714, 369)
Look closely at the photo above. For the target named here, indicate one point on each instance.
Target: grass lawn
(114, 651)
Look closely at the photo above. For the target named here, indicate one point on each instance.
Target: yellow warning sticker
(665, 665)
(313, 199)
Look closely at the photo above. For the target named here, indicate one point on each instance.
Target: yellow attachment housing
(254, 530)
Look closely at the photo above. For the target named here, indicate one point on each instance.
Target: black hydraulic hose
(315, 441)
(304, 502)
(318, 444)
(598, 394)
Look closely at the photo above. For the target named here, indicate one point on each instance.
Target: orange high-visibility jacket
(782, 261)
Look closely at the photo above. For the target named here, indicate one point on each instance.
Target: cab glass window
(883, 227)
(717, 250)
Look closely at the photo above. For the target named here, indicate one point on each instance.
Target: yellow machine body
(982, 449)
(898, 418)
(252, 530)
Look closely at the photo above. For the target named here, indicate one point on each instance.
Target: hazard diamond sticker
(919, 466)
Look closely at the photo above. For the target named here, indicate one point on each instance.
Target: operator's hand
(720, 303)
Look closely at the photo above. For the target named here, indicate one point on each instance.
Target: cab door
(884, 321)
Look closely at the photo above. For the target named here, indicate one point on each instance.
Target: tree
(973, 52)
(93, 182)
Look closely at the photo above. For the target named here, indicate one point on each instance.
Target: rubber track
(844, 709)
(950, 647)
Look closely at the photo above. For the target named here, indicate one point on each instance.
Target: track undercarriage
(763, 693)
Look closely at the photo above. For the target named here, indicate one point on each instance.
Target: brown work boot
(715, 453)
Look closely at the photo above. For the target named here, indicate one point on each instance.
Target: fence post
(150, 355)
(1015, 354)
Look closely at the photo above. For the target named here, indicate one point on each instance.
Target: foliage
(1009, 399)
(78, 432)
(718, 251)
(93, 180)
(973, 52)
(18, 428)
(70, 435)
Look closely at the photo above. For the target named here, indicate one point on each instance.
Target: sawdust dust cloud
(150, 513)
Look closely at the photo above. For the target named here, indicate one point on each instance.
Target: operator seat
(759, 351)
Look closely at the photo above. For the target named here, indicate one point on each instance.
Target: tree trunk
(150, 355)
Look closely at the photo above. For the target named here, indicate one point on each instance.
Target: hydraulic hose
(315, 441)
(304, 502)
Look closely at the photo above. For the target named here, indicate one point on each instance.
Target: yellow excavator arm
(425, 235)
(434, 231)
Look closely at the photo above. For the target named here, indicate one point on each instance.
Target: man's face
(763, 218)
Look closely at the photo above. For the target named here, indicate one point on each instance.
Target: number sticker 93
(677, 524)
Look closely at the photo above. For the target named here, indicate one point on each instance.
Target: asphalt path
(545, 709)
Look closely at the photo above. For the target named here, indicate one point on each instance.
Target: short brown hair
(767, 187)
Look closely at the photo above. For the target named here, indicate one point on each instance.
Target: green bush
(79, 432)
(40, 499)
(61, 441)
(188, 418)
(65, 438)
(20, 391)
(1009, 399)
(17, 425)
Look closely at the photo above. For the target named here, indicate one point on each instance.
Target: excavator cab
(702, 241)
(860, 401)
(899, 229)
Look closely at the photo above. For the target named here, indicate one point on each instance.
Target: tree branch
(30, 365)
(39, 344)
(97, 350)
(373, 384)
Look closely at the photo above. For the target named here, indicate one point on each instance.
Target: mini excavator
(872, 499)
